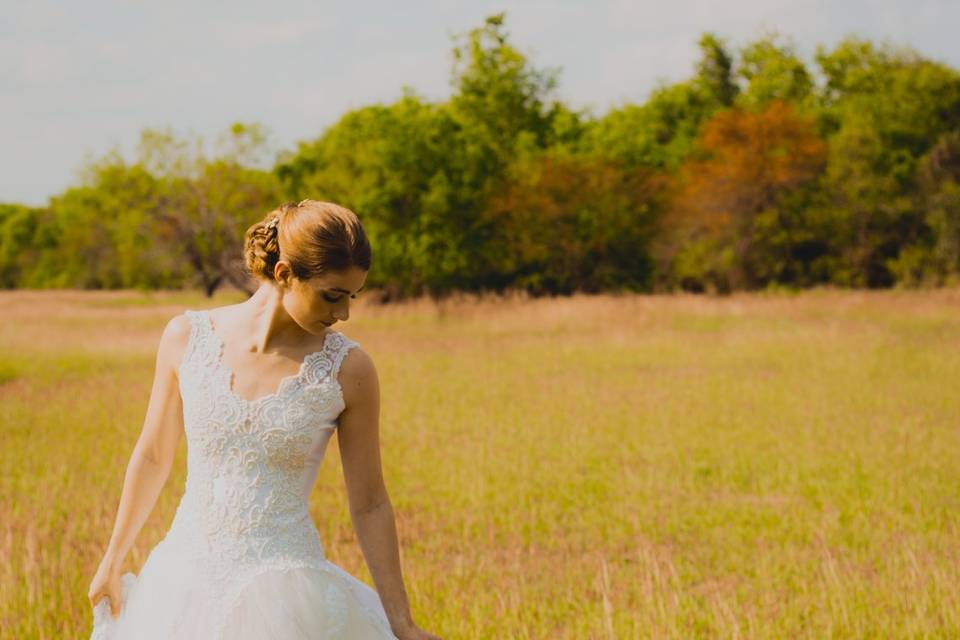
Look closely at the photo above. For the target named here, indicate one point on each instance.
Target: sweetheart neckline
(284, 382)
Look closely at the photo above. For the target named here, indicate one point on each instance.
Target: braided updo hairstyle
(313, 237)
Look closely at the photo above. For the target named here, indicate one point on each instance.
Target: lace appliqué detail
(245, 509)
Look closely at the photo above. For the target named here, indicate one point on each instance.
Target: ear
(282, 273)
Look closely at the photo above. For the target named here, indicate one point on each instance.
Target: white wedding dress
(243, 559)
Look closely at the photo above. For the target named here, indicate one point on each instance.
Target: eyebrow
(344, 290)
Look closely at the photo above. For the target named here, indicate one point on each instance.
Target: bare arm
(154, 451)
(370, 507)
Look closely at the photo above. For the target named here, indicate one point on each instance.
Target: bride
(258, 388)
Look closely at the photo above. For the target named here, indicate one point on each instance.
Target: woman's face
(319, 302)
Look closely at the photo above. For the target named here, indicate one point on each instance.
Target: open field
(777, 466)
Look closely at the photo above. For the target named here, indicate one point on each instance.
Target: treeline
(758, 171)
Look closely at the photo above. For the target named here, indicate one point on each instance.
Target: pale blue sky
(78, 78)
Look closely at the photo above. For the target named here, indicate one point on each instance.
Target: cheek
(318, 305)
(307, 306)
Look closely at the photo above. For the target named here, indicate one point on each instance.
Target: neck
(266, 319)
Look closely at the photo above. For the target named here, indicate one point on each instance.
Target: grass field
(779, 466)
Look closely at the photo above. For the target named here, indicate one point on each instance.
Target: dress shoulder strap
(326, 363)
(201, 344)
(193, 317)
(342, 347)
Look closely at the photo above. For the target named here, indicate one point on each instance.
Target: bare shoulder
(173, 342)
(357, 376)
(178, 326)
(177, 330)
(357, 364)
(226, 312)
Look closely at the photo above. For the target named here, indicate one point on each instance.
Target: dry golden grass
(592, 467)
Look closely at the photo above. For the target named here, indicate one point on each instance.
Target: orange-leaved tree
(730, 194)
(568, 223)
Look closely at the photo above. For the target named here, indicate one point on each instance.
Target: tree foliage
(732, 196)
(759, 169)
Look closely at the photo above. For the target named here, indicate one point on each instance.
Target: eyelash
(327, 298)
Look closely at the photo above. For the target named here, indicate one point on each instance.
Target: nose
(341, 312)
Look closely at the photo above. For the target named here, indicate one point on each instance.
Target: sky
(78, 79)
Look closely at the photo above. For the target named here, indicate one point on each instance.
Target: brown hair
(313, 237)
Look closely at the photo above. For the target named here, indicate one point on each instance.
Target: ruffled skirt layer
(171, 600)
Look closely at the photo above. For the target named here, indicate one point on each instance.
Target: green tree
(935, 256)
(174, 216)
(882, 108)
(102, 230)
(206, 203)
(503, 109)
(421, 175)
(396, 166)
(772, 70)
(25, 235)
(715, 71)
(661, 133)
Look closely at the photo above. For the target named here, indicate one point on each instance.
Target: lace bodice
(251, 464)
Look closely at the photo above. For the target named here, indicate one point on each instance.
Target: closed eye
(336, 298)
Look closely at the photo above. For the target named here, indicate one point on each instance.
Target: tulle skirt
(171, 600)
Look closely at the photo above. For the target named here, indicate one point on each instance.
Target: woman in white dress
(258, 388)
